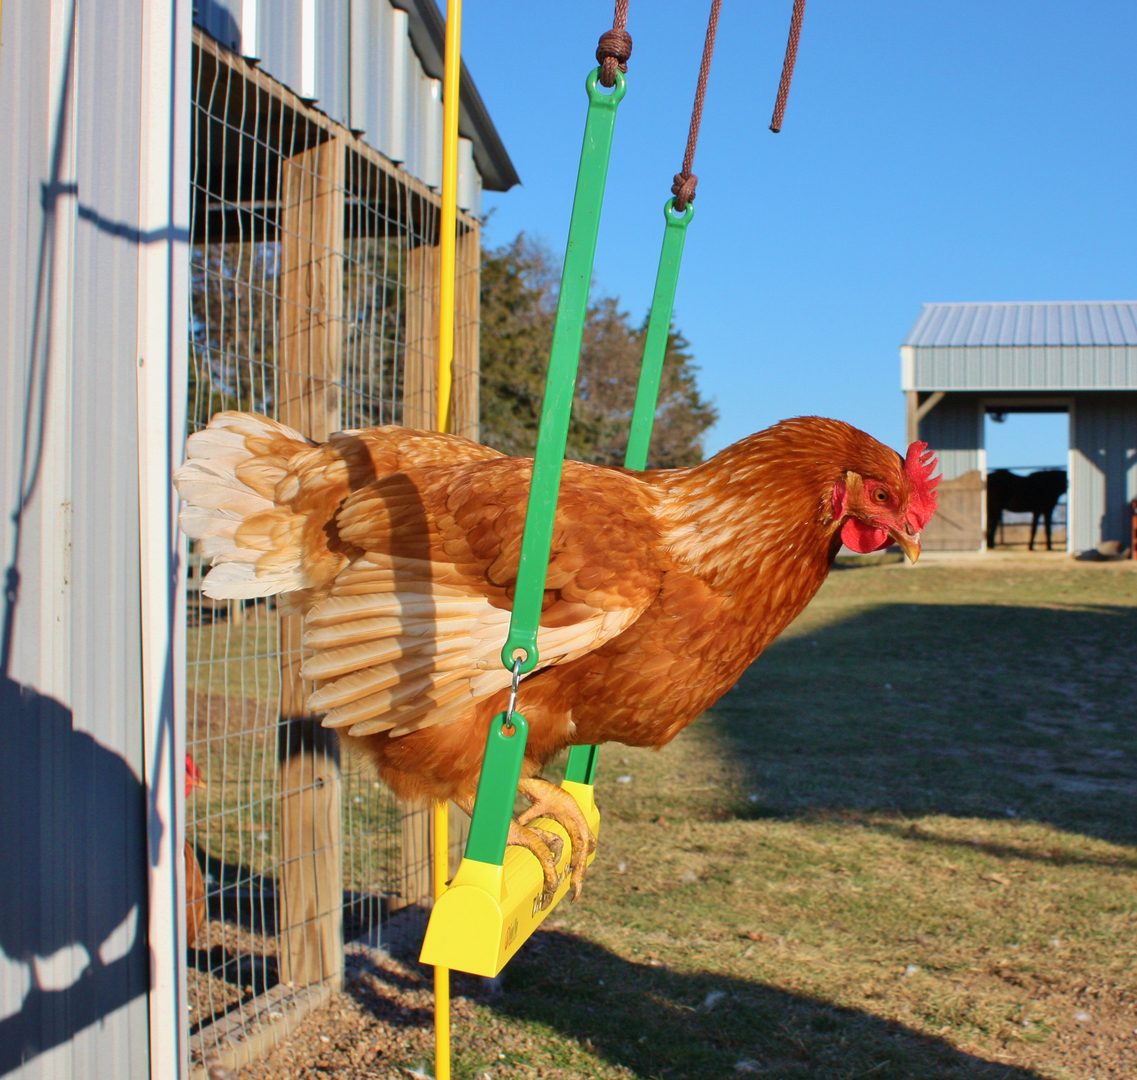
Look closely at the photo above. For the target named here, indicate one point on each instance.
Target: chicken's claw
(552, 801)
(538, 842)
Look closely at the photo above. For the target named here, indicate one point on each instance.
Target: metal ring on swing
(507, 727)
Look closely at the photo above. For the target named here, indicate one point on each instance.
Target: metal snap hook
(507, 727)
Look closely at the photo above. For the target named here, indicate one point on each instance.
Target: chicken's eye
(880, 495)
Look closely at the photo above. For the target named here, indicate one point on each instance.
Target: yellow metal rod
(441, 974)
(448, 239)
(448, 245)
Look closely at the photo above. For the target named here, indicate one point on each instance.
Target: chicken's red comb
(919, 465)
(193, 775)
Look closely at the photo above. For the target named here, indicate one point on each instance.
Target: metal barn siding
(1103, 478)
(429, 133)
(332, 74)
(222, 20)
(373, 60)
(87, 286)
(279, 35)
(953, 429)
(469, 181)
(373, 66)
(1024, 367)
(394, 107)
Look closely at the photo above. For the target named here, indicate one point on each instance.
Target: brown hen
(401, 548)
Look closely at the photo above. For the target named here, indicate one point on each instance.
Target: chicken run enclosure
(314, 268)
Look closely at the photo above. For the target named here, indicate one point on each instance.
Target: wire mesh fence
(314, 265)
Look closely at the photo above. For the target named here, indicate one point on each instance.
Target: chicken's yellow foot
(552, 801)
(546, 846)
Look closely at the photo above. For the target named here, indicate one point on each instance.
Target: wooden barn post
(308, 399)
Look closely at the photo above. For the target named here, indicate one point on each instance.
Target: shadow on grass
(700, 1026)
(970, 710)
(926, 834)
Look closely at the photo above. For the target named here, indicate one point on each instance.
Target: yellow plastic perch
(491, 909)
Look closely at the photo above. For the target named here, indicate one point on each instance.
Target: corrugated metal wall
(1104, 468)
(75, 962)
(953, 429)
(1051, 367)
(361, 70)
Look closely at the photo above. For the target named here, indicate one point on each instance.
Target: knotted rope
(685, 181)
(615, 46)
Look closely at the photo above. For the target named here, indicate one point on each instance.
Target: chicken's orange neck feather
(765, 502)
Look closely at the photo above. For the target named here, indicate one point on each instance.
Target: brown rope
(684, 187)
(788, 66)
(615, 46)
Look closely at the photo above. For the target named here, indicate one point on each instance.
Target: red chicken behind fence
(196, 909)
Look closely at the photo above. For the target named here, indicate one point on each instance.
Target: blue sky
(931, 152)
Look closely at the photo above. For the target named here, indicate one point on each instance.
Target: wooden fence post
(467, 316)
(308, 399)
(420, 375)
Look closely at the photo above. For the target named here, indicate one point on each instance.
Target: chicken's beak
(909, 543)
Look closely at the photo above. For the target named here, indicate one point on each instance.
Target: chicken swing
(497, 898)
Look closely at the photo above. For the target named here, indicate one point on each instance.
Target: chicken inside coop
(197, 910)
(401, 549)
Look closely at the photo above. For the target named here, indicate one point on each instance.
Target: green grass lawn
(903, 846)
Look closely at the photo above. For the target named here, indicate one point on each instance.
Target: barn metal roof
(1101, 322)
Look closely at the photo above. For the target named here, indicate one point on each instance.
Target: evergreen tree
(519, 299)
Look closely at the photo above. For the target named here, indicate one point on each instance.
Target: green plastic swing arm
(581, 766)
(564, 357)
(501, 766)
(501, 771)
(658, 331)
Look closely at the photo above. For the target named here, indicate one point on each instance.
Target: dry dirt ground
(903, 847)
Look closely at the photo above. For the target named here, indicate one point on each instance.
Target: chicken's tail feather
(228, 486)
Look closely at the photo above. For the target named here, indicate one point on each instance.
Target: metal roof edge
(1020, 391)
(1118, 345)
(1019, 303)
(428, 38)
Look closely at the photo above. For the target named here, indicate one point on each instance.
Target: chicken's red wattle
(862, 538)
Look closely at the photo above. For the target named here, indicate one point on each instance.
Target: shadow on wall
(970, 710)
(73, 815)
(72, 878)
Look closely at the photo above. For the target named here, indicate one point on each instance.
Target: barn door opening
(1031, 444)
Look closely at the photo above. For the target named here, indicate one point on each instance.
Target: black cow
(1036, 494)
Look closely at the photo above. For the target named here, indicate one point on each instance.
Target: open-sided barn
(961, 361)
